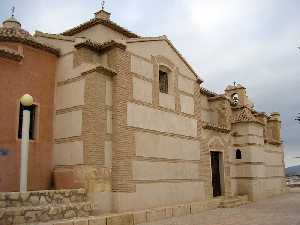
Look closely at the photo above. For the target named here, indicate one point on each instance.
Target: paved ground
(279, 210)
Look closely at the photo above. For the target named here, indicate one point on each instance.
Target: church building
(128, 119)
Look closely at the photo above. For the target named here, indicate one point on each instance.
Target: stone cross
(102, 4)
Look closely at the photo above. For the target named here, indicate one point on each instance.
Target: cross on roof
(102, 4)
(13, 11)
(234, 83)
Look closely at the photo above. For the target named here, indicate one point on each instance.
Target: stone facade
(135, 147)
(43, 206)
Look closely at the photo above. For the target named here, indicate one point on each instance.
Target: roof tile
(14, 34)
(96, 21)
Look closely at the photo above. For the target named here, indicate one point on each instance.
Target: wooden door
(215, 171)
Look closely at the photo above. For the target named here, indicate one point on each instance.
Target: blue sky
(252, 42)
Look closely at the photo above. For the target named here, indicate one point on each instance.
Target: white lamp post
(26, 100)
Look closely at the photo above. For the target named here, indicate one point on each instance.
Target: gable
(161, 47)
(100, 33)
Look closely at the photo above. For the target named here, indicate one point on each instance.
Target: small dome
(12, 32)
(12, 29)
(11, 22)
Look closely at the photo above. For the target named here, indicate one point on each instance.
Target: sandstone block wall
(260, 172)
(43, 206)
(165, 149)
(155, 146)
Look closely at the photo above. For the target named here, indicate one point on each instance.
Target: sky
(252, 42)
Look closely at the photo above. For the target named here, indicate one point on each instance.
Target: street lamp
(26, 100)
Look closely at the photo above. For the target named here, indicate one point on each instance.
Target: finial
(234, 83)
(13, 11)
(102, 14)
(12, 22)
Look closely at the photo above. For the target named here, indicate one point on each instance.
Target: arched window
(163, 82)
(164, 79)
(238, 154)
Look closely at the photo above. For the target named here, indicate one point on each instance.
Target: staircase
(232, 202)
(43, 206)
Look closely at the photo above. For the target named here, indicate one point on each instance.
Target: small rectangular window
(163, 82)
(32, 125)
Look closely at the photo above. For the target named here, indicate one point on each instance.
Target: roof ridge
(53, 36)
(165, 38)
(207, 92)
(95, 21)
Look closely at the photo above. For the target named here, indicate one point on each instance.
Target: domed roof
(11, 31)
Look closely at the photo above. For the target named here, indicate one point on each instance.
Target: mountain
(293, 170)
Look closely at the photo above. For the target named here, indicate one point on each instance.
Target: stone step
(229, 201)
(36, 198)
(44, 213)
(233, 205)
(243, 197)
(234, 201)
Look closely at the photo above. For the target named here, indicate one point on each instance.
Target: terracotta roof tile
(10, 54)
(96, 21)
(207, 92)
(245, 115)
(210, 126)
(96, 46)
(13, 34)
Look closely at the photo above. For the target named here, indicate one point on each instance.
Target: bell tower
(237, 93)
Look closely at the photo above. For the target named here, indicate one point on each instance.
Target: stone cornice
(100, 47)
(215, 127)
(101, 69)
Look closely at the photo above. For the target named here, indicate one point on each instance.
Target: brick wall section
(94, 119)
(84, 55)
(123, 138)
(35, 75)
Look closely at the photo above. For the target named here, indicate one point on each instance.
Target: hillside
(293, 170)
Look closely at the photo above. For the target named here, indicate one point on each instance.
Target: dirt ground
(279, 210)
